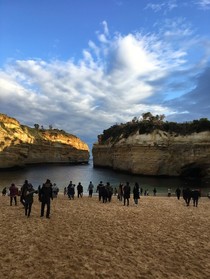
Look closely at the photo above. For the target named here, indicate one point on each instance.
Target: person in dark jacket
(79, 190)
(22, 192)
(126, 193)
(71, 190)
(99, 190)
(28, 198)
(90, 189)
(195, 196)
(45, 196)
(187, 195)
(178, 193)
(13, 192)
(4, 191)
(109, 191)
(136, 195)
(154, 191)
(120, 191)
(104, 193)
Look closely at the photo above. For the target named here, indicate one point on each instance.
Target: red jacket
(13, 190)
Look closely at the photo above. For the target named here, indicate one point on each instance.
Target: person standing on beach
(120, 191)
(28, 198)
(79, 190)
(126, 193)
(136, 193)
(90, 189)
(4, 191)
(178, 193)
(71, 190)
(115, 191)
(109, 191)
(55, 190)
(99, 190)
(104, 193)
(141, 191)
(154, 191)
(65, 191)
(13, 192)
(45, 197)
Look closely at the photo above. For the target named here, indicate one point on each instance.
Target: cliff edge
(21, 145)
(156, 152)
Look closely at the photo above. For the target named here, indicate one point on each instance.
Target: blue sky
(84, 65)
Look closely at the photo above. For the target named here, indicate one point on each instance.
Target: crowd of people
(105, 191)
(46, 193)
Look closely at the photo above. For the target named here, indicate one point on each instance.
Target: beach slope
(159, 238)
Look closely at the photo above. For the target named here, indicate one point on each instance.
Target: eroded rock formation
(21, 145)
(157, 153)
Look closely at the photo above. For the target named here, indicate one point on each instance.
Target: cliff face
(157, 153)
(21, 145)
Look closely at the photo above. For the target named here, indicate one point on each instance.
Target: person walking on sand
(28, 197)
(45, 197)
(187, 195)
(178, 193)
(126, 193)
(22, 191)
(90, 189)
(195, 196)
(13, 192)
(136, 193)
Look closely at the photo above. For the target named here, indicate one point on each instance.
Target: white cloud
(116, 79)
(106, 29)
(203, 4)
(165, 6)
(155, 7)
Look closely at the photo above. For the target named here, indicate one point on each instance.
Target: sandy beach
(159, 238)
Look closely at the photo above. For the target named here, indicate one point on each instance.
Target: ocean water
(62, 174)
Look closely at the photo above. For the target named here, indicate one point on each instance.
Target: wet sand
(160, 238)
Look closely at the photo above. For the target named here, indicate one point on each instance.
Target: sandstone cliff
(156, 153)
(21, 145)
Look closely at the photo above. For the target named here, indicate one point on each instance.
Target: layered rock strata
(157, 154)
(21, 145)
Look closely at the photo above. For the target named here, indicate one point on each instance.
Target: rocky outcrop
(21, 145)
(158, 154)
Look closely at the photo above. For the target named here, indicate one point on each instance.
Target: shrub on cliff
(148, 123)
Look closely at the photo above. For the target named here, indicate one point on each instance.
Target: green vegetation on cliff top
(148, 123)
(38, 131)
